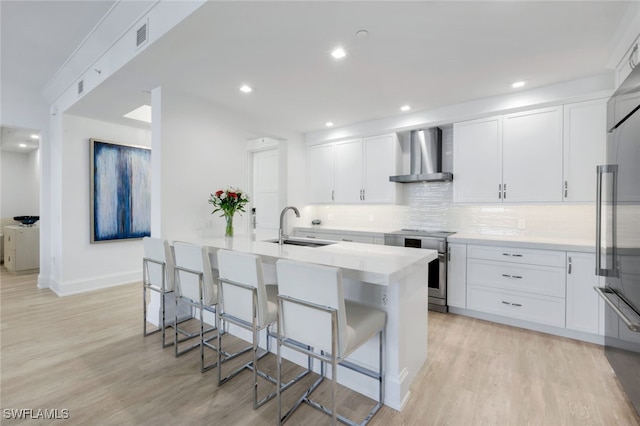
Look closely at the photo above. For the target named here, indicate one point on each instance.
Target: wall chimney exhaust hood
(426, 158)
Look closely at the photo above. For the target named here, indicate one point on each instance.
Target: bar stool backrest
(196, 258)
(316, 284)
(159, 250)
(242, 268)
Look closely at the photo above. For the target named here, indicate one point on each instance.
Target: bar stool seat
(195, 285)
(157, 276)
(312, 311)
(245, 301)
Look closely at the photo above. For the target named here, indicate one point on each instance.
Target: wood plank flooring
(86, 354)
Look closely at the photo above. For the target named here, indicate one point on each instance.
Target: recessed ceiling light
(339, 53)
(517, 84)
(405, 108)
(246, 88)
(34, 136)
(329, 124)
(23, 145)
(142, 113)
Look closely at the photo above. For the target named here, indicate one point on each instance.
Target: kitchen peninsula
(393, 279)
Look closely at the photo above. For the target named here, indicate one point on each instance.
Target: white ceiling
(426, 54)
(11, 139)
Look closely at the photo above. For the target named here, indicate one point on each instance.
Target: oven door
(437, 280)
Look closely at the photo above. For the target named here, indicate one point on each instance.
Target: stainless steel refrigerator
(618, 235)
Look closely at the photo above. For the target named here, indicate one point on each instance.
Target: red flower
(219, 193)
(233, 194)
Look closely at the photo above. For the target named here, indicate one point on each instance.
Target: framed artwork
(120, 191)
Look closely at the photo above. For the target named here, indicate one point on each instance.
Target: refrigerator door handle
(633, 326)
(604, 272)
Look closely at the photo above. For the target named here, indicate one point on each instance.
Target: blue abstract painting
(121, 191)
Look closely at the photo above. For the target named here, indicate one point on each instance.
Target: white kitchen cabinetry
(511, 158)
(525, 284)
(21, 248)
(628, 62)
(346, 236)
(348, 172)
(321, 173)
(532, 156)
(354, 171)
(477, 160)
(457, 275)
(584, 148)
(583, 304)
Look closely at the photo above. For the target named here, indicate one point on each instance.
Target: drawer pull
(347, 240)
(311, 236)
(518, 277)
(512, 255)
(506, 303)
(518, 305)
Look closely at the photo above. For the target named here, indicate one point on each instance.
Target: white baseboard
(68, 288)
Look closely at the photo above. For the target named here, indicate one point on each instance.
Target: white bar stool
(312, 310)
(195, 285)
(157, 275)
(245, 301)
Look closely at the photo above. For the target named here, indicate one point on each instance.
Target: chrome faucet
(281, 235)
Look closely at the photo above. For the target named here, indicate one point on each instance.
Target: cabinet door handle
(311, 236)
(505, 303)
(569, 270)
(506, 275)
(363, 195)
(517, 277)
(448, 254)
(347, 240)
(632, 62)
(566, 189)
(516, 304)
(499, 191)
(504, 193)
(332, 195)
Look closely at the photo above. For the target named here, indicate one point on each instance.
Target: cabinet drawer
(354, 238)
(517, 255)
(535, 279)
(9, 239)
(312, 234)
(368, 239)
(10, 260)
(540, 309)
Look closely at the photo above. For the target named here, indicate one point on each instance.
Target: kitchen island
(393, 279)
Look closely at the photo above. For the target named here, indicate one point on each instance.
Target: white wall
(20, 184)
(204, 148)
(86, 266)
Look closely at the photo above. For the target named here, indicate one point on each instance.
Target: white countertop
(536, 242)
(376, 264)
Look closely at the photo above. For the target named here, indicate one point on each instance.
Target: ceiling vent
(142, 34)
(80, 87)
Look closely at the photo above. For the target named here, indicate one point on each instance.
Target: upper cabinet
(354, 171)
(543, 155)
(532, 156)
(585, 139)
(510, 158)
(628, 62)
(477, 160)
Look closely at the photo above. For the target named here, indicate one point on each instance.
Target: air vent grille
(80, 87)
(141, 35)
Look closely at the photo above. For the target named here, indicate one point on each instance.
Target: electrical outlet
(385, 299)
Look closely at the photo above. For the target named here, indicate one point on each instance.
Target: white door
(532, 156)
(585, 137)
(320, 173)
(265, 197)
(348, 172)
(477, 160)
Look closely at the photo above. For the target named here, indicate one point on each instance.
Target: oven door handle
(633, 326)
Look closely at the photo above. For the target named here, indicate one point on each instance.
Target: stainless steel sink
(302, 242)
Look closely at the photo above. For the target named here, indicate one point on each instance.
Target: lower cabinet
(457, 275)
(583, 304)
(21, 248)
(545, 287)
(346, 236)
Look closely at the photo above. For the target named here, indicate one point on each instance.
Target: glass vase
(229, 229)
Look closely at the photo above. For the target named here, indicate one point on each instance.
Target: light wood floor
(86, 354)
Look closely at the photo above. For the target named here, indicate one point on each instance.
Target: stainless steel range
(433, 240)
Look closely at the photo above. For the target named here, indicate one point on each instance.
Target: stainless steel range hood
(426, 158)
